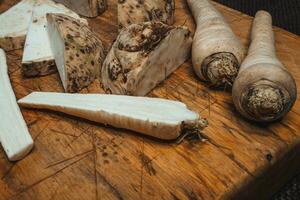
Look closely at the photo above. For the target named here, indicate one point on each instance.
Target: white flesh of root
(14, 136)
(138, 11)
(264, 90)
(14, 24)
(87, 8)
(216, 53)
(144, 55)
(38, 59)
(160, 118)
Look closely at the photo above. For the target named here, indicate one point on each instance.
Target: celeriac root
(77, 50)
(87, 8)
(143, 56)
(138, 11)
(216, 53)
(264, 90)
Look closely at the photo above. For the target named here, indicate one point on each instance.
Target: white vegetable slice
(14, 136)
(14, 24)
(38, 59)
(160, 118)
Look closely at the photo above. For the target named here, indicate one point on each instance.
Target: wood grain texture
(77, 159)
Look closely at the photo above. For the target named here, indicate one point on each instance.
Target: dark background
(285, 13)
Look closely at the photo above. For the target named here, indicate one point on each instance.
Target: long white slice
(14, 136)
(14, 24)
(38, 59)
(164, 119)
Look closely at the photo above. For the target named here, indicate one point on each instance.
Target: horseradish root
(14, 136)
(160, 118)
(38, 59)
(78, 52)
(264, 90)
(87, 8)
(14, 25)
(216, 53)
(144, 55)
(137, 11)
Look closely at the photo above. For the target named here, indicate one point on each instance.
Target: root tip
(264, 102)
(220, 69)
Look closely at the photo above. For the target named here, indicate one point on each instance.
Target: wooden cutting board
(78, 159)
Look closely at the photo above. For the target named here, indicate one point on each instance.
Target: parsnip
(216, 53)
(264, 90)
(14, 136)
(160, 118)
(138, 11)
(14, 24)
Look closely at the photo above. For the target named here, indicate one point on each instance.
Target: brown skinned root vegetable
(144, 55)
(160, 118)
(78, 52)
(216, 53)
(14, 136)
(14, 24)
(38, 59)
(137, 11)
(264, 90)
(87, 8)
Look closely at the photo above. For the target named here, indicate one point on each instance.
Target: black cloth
(291, 191)
(285, 13)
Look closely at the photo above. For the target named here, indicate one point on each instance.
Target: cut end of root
(220, 69)
(193, 130)
(264, 102)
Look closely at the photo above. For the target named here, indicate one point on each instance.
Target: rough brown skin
(216, 53)
(83, 51)
(220, 68)
(137, 11)
(264, 90)
(38, 68)
(87, 8)
(144, 55)
(9, 43)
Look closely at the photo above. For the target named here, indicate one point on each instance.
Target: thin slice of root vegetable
(14, 24)
(264, 90)
(160, 118)
(14, 136)
(216, 53)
